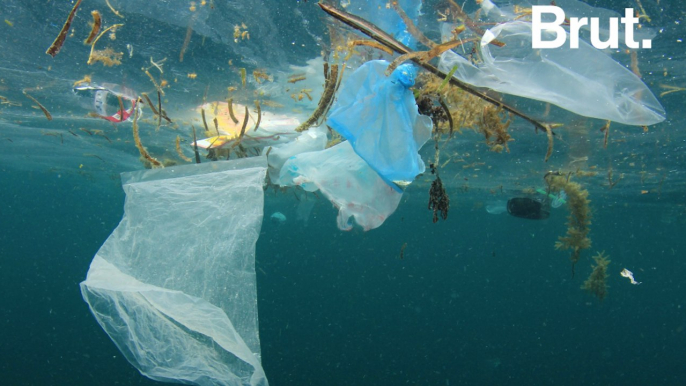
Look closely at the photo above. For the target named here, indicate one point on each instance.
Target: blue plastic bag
(378, 115)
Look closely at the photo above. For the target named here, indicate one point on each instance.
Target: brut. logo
(575, 24)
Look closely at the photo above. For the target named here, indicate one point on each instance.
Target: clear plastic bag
(584, 80)
(378, 115)
(174, 284)
(310, 140)
(347, 181)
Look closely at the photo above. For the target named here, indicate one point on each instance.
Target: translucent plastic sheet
(347, 181)
(584, 80)
(506, 11)
(214, 20)
(579, 9)
(310, 140)
(174, 284)
(385, 17)
(378, 115)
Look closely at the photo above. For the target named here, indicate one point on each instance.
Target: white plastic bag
(313, 139)
(584, 80)
(347, 181)
(174, 284)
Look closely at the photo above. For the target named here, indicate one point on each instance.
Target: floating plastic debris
(630, 275)
(278, 218)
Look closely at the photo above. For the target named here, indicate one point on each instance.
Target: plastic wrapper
(378, 115)
(584, 80)
(347, 181)
(174, 284)
(106, 100)
(310, 140)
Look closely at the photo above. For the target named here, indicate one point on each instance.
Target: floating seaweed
(606, 130)
(611, 182)
(446, 111)
(369, 43)
(240, 32)
(411, 28)
(423, 56)
(439, 201)
(158, 65)
(107, 56)
(231, 114)
(155, 111)
(296, 78)
(56, 45)
(331, 84)
(494, 128)
(187, 39)
(195, 146)
(45, 111)
(114, 11)
(670, 89)
(245, 124)
(179, 151)
(402, 251)
(459, 14)
(549, 134)
(447, 79)
(596, 283)
(259, 115)
(86, 79)
(579, 219)
(261, 75)
(97, 23)
(139, 145)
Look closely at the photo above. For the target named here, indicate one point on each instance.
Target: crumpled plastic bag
(378, 115)
(313, 139)
(347, 181)
(584, 80)
(106, 99)
(174, 285)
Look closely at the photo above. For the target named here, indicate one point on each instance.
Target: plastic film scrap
(347, 181)
(585, 81)
(174, 284)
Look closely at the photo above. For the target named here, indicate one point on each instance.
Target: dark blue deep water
(478, 299)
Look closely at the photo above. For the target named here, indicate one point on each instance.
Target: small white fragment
(487, 38)
(628, 274)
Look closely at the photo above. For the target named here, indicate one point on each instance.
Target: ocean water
(477, 299)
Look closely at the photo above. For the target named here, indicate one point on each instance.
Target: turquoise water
(477, 299)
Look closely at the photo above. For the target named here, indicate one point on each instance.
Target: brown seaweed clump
(596, 283)
(107, 57)
(494, 124)
(466, 111)
(579, 219)
(439, 201)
